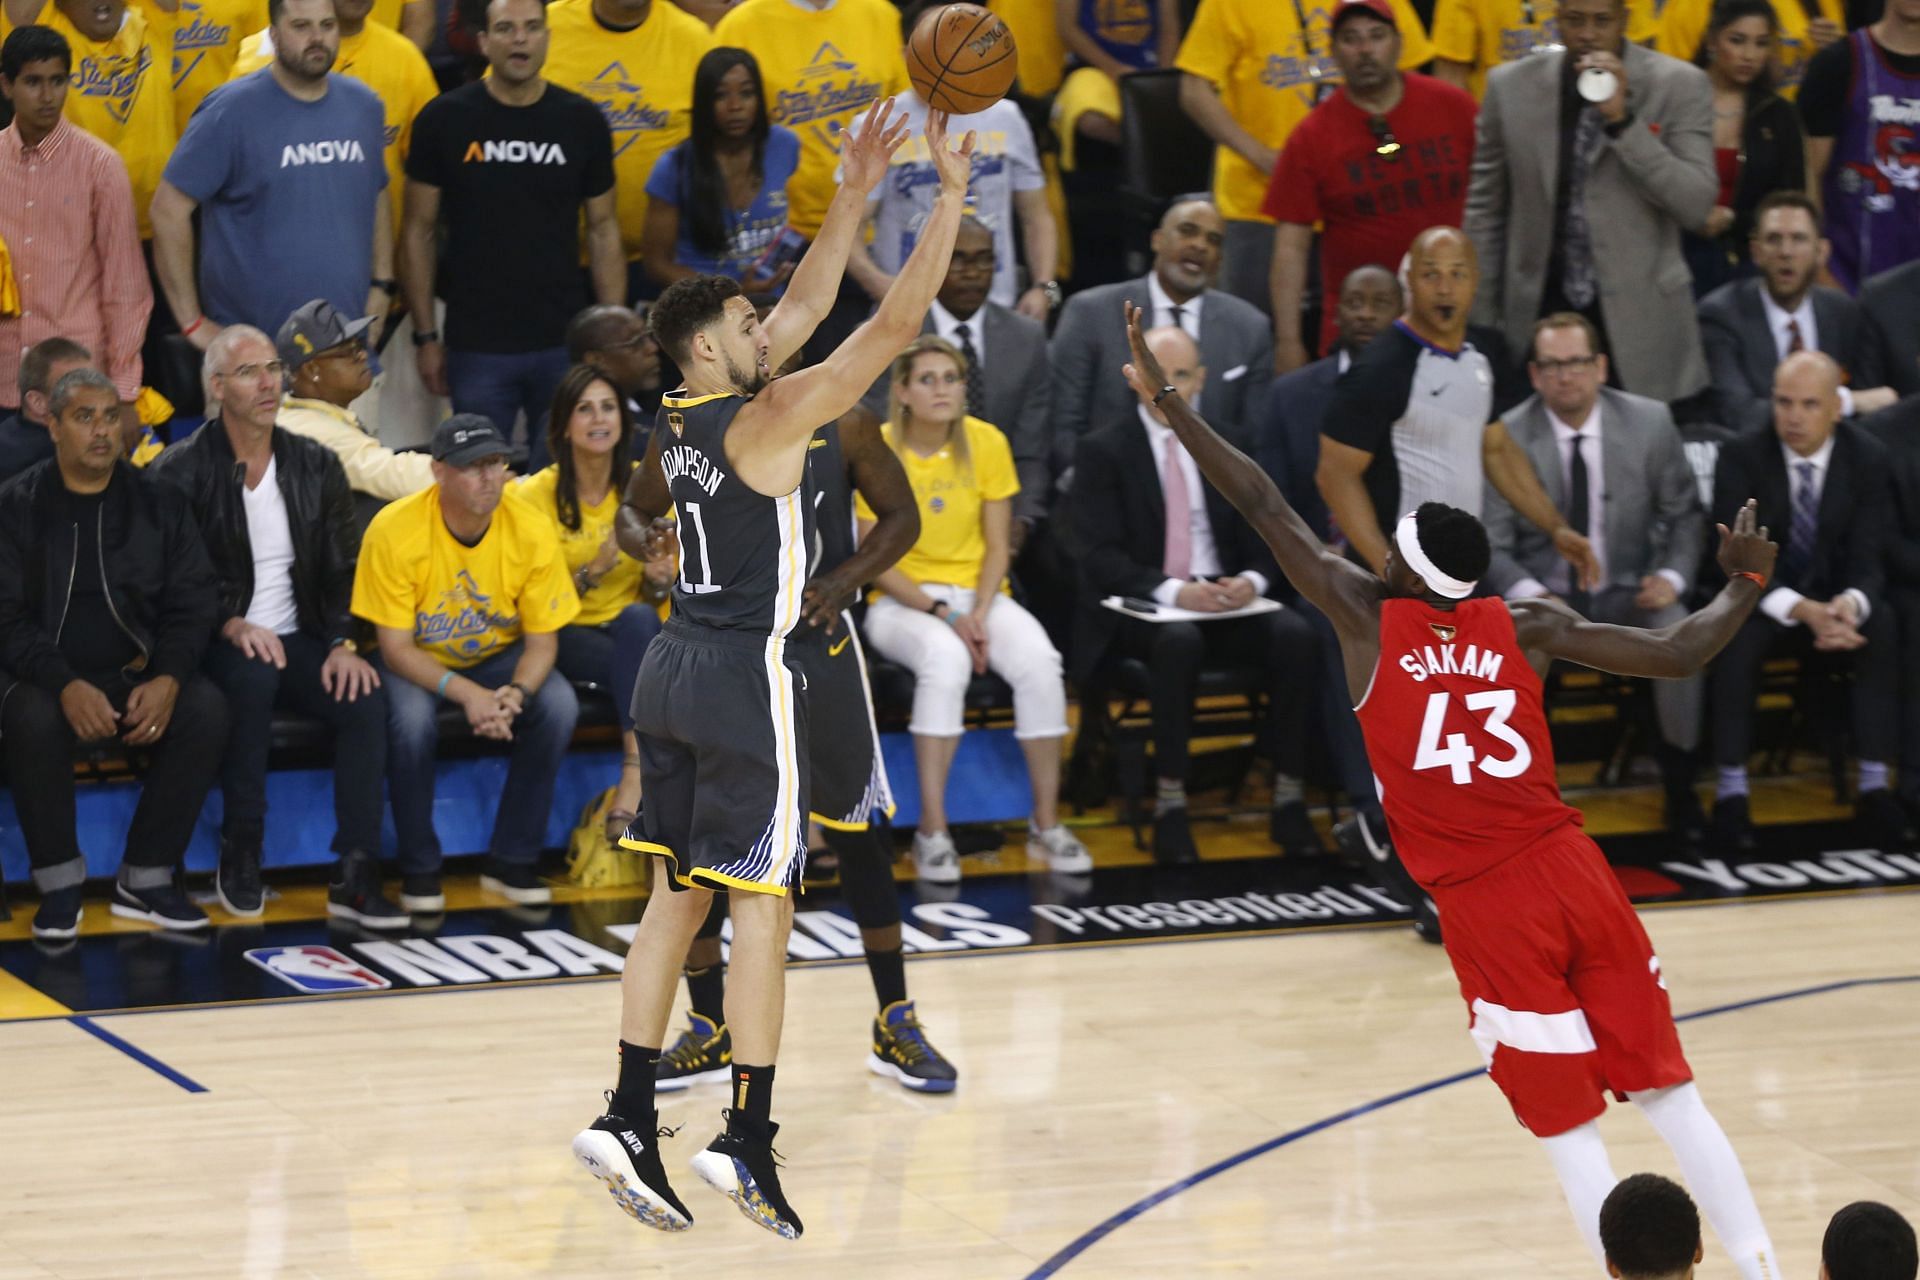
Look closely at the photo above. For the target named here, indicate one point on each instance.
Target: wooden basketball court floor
(1286, 1106)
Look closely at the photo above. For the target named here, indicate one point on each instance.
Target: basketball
(960, 59)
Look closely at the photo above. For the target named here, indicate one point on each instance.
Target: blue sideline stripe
(139, 1055)
(1086, 1241)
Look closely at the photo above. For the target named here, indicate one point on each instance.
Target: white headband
(1406, 536)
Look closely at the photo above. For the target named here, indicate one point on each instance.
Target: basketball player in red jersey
(1567, 1002)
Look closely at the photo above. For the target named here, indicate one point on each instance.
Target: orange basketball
(960, 59)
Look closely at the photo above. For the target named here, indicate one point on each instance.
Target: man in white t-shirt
(276, 514)
(1007, 187)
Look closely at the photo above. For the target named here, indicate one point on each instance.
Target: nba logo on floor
(317, 970)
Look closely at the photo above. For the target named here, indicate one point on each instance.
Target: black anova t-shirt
(511, 180)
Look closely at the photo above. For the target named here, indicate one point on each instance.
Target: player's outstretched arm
(793, 407)
(864, 156)
(1549, 627)
(1344, 591)
(882, 482)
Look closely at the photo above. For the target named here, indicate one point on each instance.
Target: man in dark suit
(1751, 325)
(1823, 488)
(1614, 465)
(1090, 344)
(1898, 430)
(1148, 527)
(1892, 302)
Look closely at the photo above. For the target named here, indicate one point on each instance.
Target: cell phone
(784, 251)
(1139, 605)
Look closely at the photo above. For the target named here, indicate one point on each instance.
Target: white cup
(1597, 84)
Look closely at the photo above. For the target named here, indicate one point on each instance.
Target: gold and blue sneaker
(702, 1054)
(746, 1171)
(625, 1155)
(902, 1051)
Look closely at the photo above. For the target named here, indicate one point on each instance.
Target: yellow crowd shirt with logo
(621, 585)
(387, 63)
(642, 80)
(952, 544)
(822, 69)
(1683, 24)
(462, 604)
(1485, 33)
(1038, 49)
(206, 41)
(1268, 71)
(121, 93)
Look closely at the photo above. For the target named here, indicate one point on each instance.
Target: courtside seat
(304, 742)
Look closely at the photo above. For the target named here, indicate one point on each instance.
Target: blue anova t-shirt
(750, 231)
(287, 193)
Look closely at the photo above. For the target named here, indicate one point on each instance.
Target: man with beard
(614, 340)
(1383, 158)
(286, 168)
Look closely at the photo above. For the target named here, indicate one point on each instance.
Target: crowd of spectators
(1600, 272)
(1650, 1230)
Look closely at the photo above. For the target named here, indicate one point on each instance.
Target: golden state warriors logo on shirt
(831, 89)
(115, 78)
(463, 620)
(1309, 63)
(193, 36)
(622, 101)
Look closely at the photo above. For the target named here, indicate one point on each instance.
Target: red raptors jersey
(1457, 733)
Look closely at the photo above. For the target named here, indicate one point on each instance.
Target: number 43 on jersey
(1457, 754)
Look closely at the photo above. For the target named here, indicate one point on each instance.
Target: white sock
(1586, 1175)
(1713, 1175)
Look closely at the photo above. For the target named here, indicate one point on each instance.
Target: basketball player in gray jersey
(718, 706)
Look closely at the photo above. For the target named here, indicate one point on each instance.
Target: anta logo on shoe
(1445, 632)
(317, 970)
(633, 1142)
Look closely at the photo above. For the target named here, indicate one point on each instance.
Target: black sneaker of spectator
(1732, 827)
(237, 882)
(1291, 829)
(166, 905)
(59, 914)
(1173, 839)
(1684, 817)
(516, 883)
(1881, 821)
(354, 894)
(421, 894)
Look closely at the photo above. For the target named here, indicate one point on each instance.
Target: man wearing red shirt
(1378, 162)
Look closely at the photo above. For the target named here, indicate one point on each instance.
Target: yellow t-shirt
(1255, 53)
(641, 79)
(822, 69)
(121, 93)
(952, 544)
(206, 40)
(1038, 49)
(387, 63)
(1683, 24)
(1485, 33)
(463, 604)
(621, 586)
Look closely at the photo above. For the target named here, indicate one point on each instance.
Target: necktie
(1179, 317)
(1578, 282)
(1795, 342)
(976, 380)
(1577, 496)
(1178, 562)
(1806, 523)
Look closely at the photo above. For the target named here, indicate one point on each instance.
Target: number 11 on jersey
(692, 524)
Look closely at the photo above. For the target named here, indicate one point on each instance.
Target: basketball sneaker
(702, 1054)
(901, 1050)
(626, 1156)
(747, 1172)
(1060, 849)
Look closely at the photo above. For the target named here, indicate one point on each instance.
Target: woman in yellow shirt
(942, 611)
(590, 436)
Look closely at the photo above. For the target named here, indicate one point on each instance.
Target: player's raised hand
(953, 164)
(869, 146)
(1745, 548)
(1144, 373)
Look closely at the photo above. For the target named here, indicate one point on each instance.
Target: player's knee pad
(866, 876)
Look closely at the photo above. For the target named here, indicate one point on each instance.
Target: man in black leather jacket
(106, 603)
(277, 515)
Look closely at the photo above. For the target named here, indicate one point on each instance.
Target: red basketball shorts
(1564, 993)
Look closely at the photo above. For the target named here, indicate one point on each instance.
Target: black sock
(708, 989)
(633, 1096)
(752, 1102)
(889, 970)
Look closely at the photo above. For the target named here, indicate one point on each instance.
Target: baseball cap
(1372, 8)
(465, 438)
(314, 328)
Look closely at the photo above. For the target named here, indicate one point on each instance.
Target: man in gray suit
(1090, 344)
(1751, 325)
(1613, 464)
(1892, 302)
(1581, 208)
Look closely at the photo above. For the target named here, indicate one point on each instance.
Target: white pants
(1018, 651)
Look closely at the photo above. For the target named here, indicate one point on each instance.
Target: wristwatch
(1164, 392)
(1054, 294)
(936, 607)
(387, 285)
(422, 337)
(348, 643)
